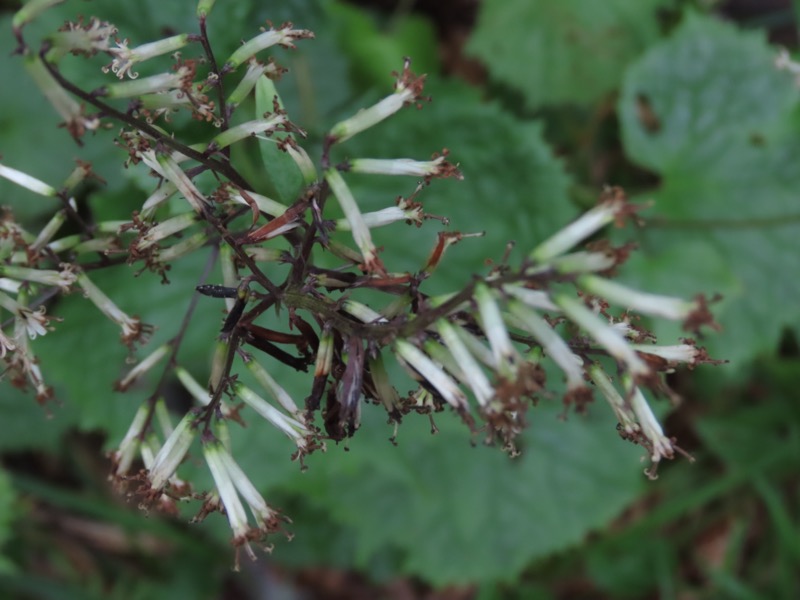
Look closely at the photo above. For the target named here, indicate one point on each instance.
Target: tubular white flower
(53, 225)
(192, 386)
(534, 298)
(361, 234)
(171, 171)
(621, 407)
(398, 166)
(67, 108)
(183, 248)
(130, 444)
(63, 279)
(262, 513)
(362, 312)
(407, 89)
(476, 379)
(667, 307)
(294, 429)
(276, 391)
(164, 192)
(234, 509)
(6, 344)
(505, 355)
(303, 162)
(145, 365)
(683, 353)
(661, 445)
(172, 453)
(131, 326)
(28, 182)
(577, 231)
(125, 58)
(284, 36)
(166, 229)
(255, 70)
(259, 126)
(265, 205)
(432, 373)
(553, 344)
(603, 334)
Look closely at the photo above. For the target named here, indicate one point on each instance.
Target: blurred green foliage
(695, 116)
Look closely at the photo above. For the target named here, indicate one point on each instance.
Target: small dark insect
(217, 291)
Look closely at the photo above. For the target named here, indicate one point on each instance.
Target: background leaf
(724, 149)
(573, 51)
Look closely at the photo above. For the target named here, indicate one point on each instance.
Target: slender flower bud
(183, 248)
(362, 312)
(175, 174)
(580, 229)
(660, 445)
(164, 192)
(537, 299)
(414, 358)
(172, 453)
(384, 390)
(67, 108)
(232, 482)
(165, 229)
(122, 458)
(676, 309)
(6, 344)
(132, 328)
(294, 429)
(473, 374)
(266, 205)
(259, 126)
(28, 182)
(204, 7)
(361, 234)
(603, 334)
(125, 58)
(52, 227)
(553, 344)
(303, 162)
(385, 216)
(283, 36)
(31, 10)
(438, 167)
(679, 353)
(621, 407)
(192, 386)
(255, 70)
(218, 363)
(143, 367)
(504, 354)
(576, 262)
(62, 279)
(408, 89)
(276, 391)
(230, 277)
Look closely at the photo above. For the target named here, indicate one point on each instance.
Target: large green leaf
(722, 143)
(572, 51)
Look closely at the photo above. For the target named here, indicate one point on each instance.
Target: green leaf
(728, 164)
(573, 51)
(375, 52)
(451, 513)
(707, 87)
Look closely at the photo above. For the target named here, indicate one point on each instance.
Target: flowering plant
(479, 351)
